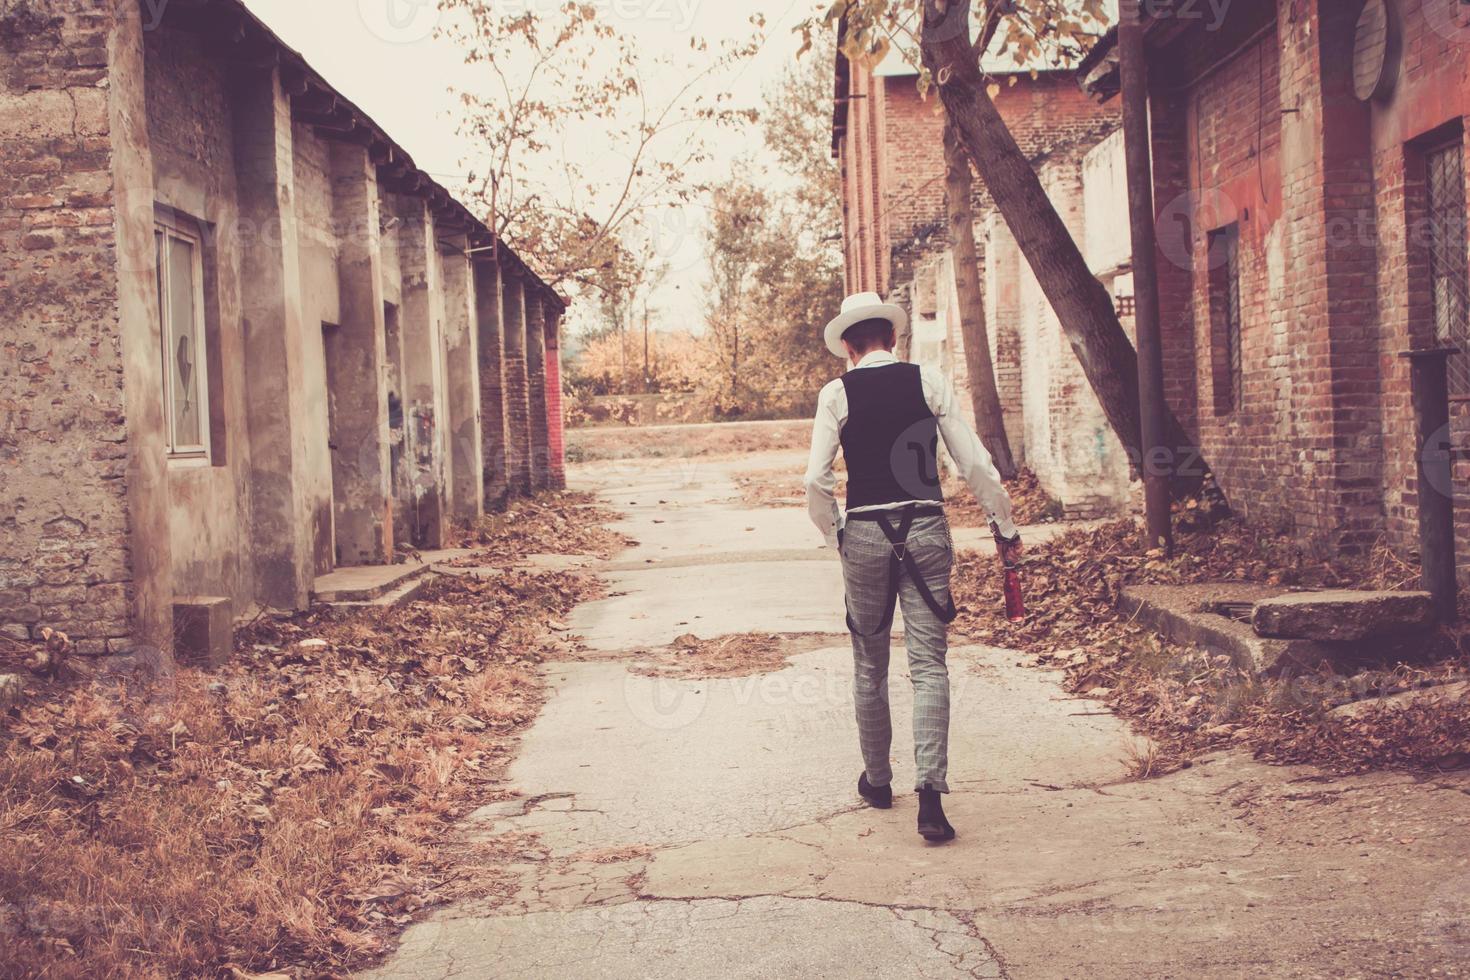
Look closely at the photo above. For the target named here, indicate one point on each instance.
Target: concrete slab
(659, 761)
(1183, 613)
(405, 591)
(710, 828)
(759, 937)
(652, 607)
(1344, 615)
(363, 583)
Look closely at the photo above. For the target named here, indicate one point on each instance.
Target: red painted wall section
(555, 425)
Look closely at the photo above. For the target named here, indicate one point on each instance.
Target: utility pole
(1157, 460)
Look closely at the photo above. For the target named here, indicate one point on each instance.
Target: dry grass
(291, 811)
(1188, 701)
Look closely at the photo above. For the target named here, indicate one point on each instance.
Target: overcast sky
(383, 55)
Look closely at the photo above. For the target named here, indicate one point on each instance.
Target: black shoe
(877, 796)
(932, 825)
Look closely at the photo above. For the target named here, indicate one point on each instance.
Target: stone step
(1225, 617)
(1343, 615)
(365, 583)
(1186, 614)
(406, 591)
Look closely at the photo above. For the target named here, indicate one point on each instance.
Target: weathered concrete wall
(357, 367)
(191, 126)
(1069, 443)
(516, 393)
(84, 542)
(1105, 202)
(490, 322)
(321, 313)
(1002, 287)
(107, 129)
(275, 364)
(462, 356)
(421, 314)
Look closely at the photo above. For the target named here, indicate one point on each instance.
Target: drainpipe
(1429, 372)
(1157, 464)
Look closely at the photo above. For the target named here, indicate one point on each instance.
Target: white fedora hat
(857, 308)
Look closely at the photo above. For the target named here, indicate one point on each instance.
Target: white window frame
(171, 228)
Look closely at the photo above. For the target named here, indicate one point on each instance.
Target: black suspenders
(900, 561)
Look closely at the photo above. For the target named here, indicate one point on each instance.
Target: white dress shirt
(964, 447)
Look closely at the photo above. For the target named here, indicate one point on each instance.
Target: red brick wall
(1326, 194)
(1044, 114)
(1217, 133)
(1430, 100)
(555, 421)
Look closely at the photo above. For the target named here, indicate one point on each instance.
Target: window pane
(182, 353)
(1448, 275)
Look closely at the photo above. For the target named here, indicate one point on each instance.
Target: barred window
(1449, 265)
(1225, 318)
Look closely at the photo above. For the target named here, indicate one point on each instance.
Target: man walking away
(887, 417)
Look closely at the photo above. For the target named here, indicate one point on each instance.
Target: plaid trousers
(865, 570)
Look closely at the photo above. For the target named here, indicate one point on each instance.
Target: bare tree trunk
(1081, 303)
(989, 420)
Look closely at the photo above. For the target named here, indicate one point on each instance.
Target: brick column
(83, 491)
(356, 365)
(517, 394)
(536, 306)
(555, 435)
(462, 353)
(489, 317)
(1352, 290)
(420, 317)
(1327, 185)
(270, 267)
(1169, 136)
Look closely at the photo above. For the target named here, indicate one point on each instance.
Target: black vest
(891, 438)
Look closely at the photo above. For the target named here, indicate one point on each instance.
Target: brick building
(1311, 194)
(247, 341)
(889, 143)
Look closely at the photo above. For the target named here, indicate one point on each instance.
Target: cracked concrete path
(709, 828)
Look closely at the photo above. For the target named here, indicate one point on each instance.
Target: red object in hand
(1015, 602)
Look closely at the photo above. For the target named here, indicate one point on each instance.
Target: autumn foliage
(294, 808)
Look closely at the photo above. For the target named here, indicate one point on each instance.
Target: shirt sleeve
(820, 481)
(969, 454)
